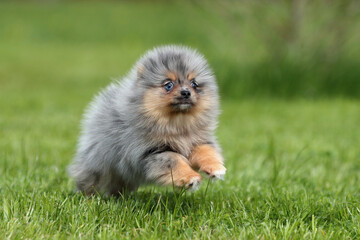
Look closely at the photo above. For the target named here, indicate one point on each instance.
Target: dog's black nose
(185, 93)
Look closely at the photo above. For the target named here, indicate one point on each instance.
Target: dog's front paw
(214, 171)
(190, 182)
(194, 184)
(183, 176)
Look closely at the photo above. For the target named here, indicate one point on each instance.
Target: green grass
(293, 171)
(293, 165)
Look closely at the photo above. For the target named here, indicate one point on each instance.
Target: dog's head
(175, 80)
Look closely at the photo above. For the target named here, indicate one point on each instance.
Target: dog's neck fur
(181, 132)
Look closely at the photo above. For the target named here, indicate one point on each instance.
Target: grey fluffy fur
(117, 150)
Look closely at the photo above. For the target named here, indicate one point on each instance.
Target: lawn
(293, 163)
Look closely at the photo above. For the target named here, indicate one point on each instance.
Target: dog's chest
(182, 144)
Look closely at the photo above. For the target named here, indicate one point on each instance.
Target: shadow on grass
(150, 199)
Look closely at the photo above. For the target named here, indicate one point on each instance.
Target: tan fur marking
(172, 76)
(191, 76)
(180, 175)
(156, 104)
(205, 158)
(203, 104)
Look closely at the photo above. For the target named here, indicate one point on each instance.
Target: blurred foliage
(257, 48)
(298, 48)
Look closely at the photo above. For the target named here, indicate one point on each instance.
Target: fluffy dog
(156, 125)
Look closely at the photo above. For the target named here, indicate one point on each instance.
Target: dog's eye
(194, 84)
(168, 86)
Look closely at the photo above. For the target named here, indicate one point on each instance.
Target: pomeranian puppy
(156, 125)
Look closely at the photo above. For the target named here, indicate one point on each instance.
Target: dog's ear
(140, 71)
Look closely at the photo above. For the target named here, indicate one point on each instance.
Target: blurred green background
(281, 49)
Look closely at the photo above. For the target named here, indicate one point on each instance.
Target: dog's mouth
(182, 105)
